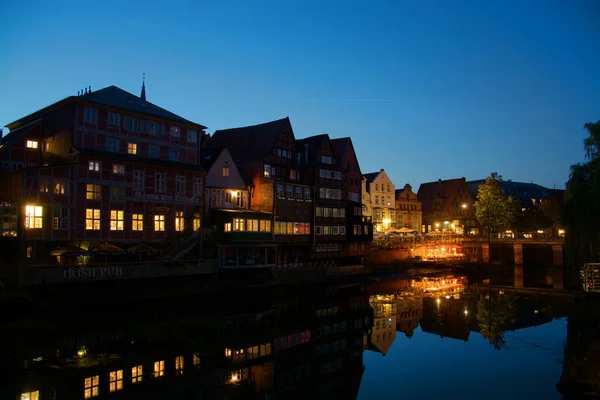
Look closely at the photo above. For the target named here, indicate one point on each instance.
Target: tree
(494, 313)
(582, 208)
(492, 208)
(532, 219)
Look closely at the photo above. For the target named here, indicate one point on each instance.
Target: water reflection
(313, 342)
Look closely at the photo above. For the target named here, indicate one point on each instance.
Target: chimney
(90, 90)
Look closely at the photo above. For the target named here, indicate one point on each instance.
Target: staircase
(180, 249)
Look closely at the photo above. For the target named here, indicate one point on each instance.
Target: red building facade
(102, 166)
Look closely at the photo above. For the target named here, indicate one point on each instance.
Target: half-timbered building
(266, 157)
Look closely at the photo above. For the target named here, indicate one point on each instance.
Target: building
(408, 209)
(266, 156)
(530, 195)
(243, 237)
(385, 310)
(382, 199)
(320, 169)
(447, 207)
(359, 232)
(102, 166)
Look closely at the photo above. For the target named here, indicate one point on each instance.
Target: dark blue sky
(426, 89)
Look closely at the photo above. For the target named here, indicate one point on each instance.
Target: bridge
(556, 245)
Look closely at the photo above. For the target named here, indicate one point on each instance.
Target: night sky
(426, 89)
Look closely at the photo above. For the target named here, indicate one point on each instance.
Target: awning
(107, 248)
(69, 250)
(142, 248)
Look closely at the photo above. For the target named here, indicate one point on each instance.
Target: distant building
(408, 209)
(381, 200)
(447, 206)
(530, 195)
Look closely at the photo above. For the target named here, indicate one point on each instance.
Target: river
(433, 336)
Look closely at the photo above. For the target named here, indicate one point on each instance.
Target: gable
(215, 178)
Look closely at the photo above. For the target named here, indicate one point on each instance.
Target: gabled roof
(249, 143)
(116, 97)
(314, 144)
(446, 190)
(371, 176)
(16, 133)
(340, 147)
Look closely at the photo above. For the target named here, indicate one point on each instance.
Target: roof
(521, 191)
(116, 97)
(134, 158)
(340, 147)
(249, 143)
(13, 134)
(371, 176)
(314, 144)
(446, 190)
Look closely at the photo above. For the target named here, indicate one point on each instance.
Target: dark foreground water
(431, 337)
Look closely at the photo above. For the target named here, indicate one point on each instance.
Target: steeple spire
(143, 95)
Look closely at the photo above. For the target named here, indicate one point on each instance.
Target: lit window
(159, 222)
(239, 224)
(174, 131)
(227, 227)
(29, 252)
(136, 374)
(91, 387)
(60, 186)
(31, 395)
(196, 360)
(196, 221)
(225, 171)
(159, 368)
(132, 148)
(94, 166)
(116, 220)
(114, 119)
(228, 353)
(192, 136)
(137, 222)
(267, 170)
(179, 221)
(92, 192)
(92, 219)
(91, 115)
(179, 365)
(116, 380)
(119, 168)
(265, 226)
(44, 186)
(252, 225)
(33, 217)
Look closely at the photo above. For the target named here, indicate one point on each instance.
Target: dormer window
(174, 131)
(32, 144)
(91, 115)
